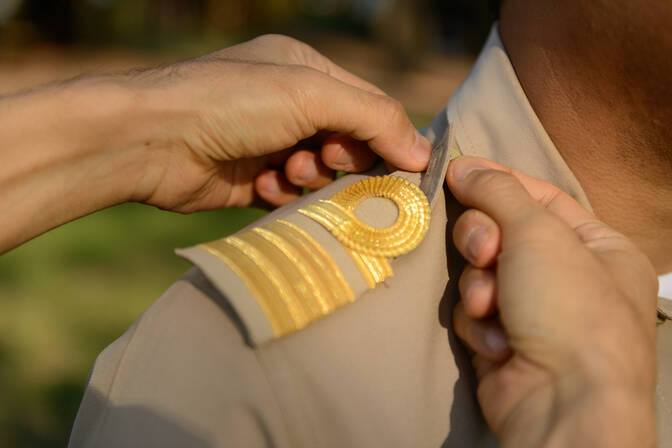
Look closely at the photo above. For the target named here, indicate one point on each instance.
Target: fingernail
(342, 160)
(422, 149)
(475, 242)
(496, 340)
(270, 186)
(463, 166)
(471, 290)
(307, 173)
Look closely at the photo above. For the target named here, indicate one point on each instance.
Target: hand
(268, 116)
(558, 310)
(259, 120)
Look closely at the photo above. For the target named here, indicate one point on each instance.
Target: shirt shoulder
(307, 260)
(207, 358)
(164, 381)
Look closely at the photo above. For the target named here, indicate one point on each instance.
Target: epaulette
(305, 261)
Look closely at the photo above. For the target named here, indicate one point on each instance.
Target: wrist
(72, 149)
(90, 123)
(115, 135)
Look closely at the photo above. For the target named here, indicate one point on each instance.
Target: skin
(261, 120)
(255, 121)
(597, 75)
(558, 311)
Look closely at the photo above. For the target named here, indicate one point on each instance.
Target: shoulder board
(304, 261)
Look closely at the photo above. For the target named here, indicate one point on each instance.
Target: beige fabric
(376, 213)
(664, 388)
(665, 307)
(386, 370)
(182, 376)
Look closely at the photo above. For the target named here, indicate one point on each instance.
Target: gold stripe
(381, 265)
(374, 269)
(255, 280)
(369, 246)
(291, 284)
(337, 216)
(331, 216)
(325, 265)
(401, 237)
(279, 300)
(295, 280)
(370, 276)
(314, 294)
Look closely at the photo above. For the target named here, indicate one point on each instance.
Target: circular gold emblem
(402, 236)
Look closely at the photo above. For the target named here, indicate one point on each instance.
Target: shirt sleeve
(182, 365)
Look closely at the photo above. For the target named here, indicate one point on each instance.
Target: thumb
(528, 209)
(505, 194)
(376, 119)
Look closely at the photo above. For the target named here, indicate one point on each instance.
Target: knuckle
(594, 230)
(495, 181)
(392, 114)
(295, 50)
(275, 39)
(302, 86)
(296, 80)
(394, 110)
(498, 186)
(304, 74)
(475, 217)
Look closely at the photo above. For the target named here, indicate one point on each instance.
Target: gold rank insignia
(294, 279)
(370, 247)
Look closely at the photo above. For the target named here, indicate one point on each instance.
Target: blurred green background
(67, 294)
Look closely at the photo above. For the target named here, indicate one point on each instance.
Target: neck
(610, 129)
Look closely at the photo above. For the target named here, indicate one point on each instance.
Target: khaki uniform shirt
(205, 365)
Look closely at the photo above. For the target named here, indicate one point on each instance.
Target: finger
(478, 289)
(485, 337)
(477, 237)
(315, 141)
(340, 152)
(505, 194)
(315, 59)
(378, 120)
(349, 78)
(483, 365)
(284, 50)
(305, 169)
(274, 188)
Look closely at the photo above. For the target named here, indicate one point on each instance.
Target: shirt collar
(493, 119)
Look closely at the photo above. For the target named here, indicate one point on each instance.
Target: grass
(67, 294)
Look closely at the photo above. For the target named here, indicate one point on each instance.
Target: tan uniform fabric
(200, 368)
(664, 388)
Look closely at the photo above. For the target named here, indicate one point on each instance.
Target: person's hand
(268, 116)
(558, 311)
(260, 120)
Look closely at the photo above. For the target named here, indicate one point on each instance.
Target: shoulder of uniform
(306, 260)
